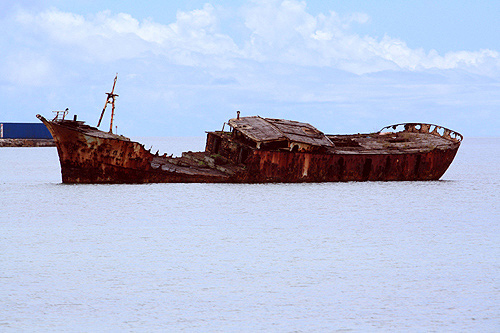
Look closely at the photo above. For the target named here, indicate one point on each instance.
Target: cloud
(279, 31)
(283, 31)
(108, 37)
(269, 57)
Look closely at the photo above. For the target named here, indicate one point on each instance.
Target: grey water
(328, 257)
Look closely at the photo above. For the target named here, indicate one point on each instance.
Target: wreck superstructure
(258, 150)
(276, 150)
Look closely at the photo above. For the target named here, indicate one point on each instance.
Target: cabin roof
(264, 130)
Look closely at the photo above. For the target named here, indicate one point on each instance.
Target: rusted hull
(271, 166)
(334, 166)
(105, 158)
(89, 160)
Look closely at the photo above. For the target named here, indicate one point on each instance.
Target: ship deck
(388, 143)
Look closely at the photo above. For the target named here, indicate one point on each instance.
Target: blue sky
(186, 67)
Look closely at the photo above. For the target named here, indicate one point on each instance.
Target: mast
(110, 100)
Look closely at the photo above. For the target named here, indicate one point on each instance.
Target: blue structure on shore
(24, 131)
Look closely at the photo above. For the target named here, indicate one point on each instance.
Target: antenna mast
(110, 100)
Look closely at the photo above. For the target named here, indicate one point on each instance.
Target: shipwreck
(256, 150)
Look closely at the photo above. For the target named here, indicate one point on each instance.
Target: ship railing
(424, 128)
(60, 115)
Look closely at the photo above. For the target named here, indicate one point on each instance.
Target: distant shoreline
(27, 143)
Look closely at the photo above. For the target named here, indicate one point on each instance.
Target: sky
(186, 67)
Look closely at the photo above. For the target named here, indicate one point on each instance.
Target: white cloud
(268, 57)
(283, 31)
(279, 31)
(111, 37)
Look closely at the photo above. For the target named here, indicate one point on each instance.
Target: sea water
(327, 257)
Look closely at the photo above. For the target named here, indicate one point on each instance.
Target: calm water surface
(375, 256)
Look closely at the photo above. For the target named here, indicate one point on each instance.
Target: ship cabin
(248, 134)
